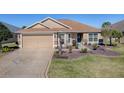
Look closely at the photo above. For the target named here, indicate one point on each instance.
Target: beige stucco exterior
(38, 26)
(50, 41)
(100, 36)
(19, 38)
(85, 38)
(51, 24)
(37, 41)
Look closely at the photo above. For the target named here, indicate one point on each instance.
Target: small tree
(114, 33)
(117, 35)
(106, 32)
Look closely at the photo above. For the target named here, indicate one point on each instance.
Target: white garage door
(38, 41)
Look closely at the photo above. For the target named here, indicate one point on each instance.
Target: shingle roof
(12, 28)
(78, 26)
(119, 26)
(75, 27)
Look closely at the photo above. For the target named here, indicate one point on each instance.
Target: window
(90, 39)
(93, 37)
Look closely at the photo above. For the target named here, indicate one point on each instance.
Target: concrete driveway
(25, 63)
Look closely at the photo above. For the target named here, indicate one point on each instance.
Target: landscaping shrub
(114, 45)
(12, 49)
(56, 53)
(74, 43)
(116, 40)
(70, 49)
(67, 47)
(95, 46)
(83, 50)
(5, 49)
(76, 47)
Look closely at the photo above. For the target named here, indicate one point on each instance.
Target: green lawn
(89, 66)
(119, 49)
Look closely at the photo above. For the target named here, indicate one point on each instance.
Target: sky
(94, 20)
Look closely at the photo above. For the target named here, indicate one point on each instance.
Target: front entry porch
(68, 39)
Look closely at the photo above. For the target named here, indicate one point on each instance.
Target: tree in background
(109, 33)
(5, 34)
(114, 33)
(119, 36)
(23, 27)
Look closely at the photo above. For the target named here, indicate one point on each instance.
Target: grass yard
(89, 66)
(119, 49)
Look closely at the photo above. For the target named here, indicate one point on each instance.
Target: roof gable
(52, 23)
(38, 25)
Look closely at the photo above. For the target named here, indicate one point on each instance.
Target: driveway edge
(48, 65)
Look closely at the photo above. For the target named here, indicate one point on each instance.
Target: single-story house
(120, 27)
(12, 29)
(48, 32)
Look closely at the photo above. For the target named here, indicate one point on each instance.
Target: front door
(79, 37)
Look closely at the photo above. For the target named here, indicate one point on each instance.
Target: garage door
(39, 41)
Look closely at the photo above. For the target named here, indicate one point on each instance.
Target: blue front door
(79, 37)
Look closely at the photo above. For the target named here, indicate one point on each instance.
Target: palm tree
(23, 27)
(106, 24)
(106, 31)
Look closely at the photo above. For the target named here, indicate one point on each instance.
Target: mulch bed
(66, 55)
(76, 53)
(101, 50)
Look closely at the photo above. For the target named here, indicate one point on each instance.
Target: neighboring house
(49, 31)
(119, 26)
(12, 29)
